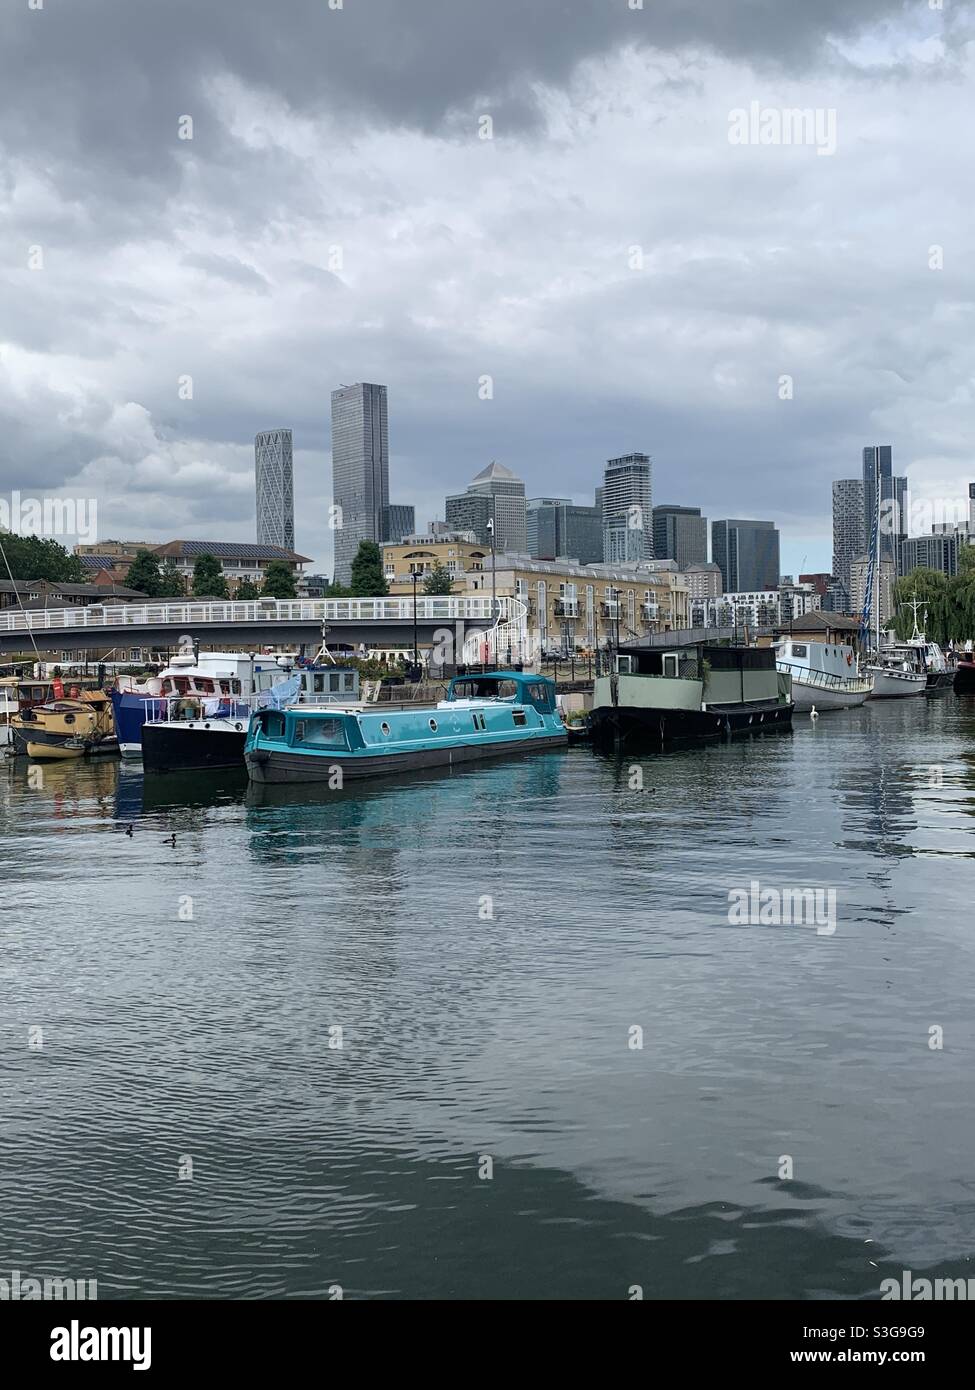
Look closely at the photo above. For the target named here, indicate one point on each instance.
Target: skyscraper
(558, 528)
(495, 493)
(680, 534)
(878, 470)
(398, 521)
(627, 494)
(849, 526)
(747, 554)
(274, 475)
(360, 470)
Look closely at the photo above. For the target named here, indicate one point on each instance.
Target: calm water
(465, 1036)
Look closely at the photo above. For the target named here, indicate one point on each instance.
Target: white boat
(824, 674)
(9, 706)
(895, 681)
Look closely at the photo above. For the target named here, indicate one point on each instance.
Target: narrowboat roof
(520, 677)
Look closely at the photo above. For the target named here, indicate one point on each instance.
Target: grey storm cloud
(103, 77)
(314, 126)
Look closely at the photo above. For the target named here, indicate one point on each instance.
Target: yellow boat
(66, 728)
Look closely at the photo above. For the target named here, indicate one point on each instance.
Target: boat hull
(939, 682)
(170, 747)
(965, 678)
(273, 766)
(629, 723)
(826, 697)
(53, 751)
(896, 685)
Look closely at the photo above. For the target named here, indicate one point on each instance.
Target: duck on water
(483, 716)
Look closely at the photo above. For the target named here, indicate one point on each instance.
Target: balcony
(566, 608)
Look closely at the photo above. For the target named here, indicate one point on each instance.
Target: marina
(486, 937)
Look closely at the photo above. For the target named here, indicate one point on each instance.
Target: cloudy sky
(627, 276)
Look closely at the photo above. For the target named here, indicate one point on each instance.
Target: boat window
(433, 725)
(624, 665)
(384, 727)
(299, 736)
(318, 685)
(323, 733)
(271, 723)
(348, 680)
(519, 716)
(671, 664)
(799, 649)
(334, 682)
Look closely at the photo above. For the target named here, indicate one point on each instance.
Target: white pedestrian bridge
(268, 621)
(329, 610)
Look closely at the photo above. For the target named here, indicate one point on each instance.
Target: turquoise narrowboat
(483, 716)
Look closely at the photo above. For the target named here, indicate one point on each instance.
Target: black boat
(663, 690)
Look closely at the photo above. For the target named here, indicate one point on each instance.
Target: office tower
(935, 552)
(398, 521)
(495, 493)
(558, 528)
(849, 526)
(274, 475)
(360, 470)
(627, 502)
(878, 469)
(681, 534)
(971, 509)
(747, 554)
(534, 508)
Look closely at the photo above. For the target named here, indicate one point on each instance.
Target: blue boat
(483, 716)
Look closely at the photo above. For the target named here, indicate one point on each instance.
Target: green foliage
(208, 580)
(246, 590)
(338, 591)
(279, 582)
(144, 574)
(368, 580)
(950, 603)
(30, 557)
(171, 583)
(438, 581)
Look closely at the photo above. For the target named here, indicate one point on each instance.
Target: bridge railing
(97, 615)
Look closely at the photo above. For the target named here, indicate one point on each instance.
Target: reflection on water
(482, 945)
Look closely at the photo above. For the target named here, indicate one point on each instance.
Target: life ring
(849, 658)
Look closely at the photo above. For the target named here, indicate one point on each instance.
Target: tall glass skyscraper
(360, 470)
(747, 554)
(680, 534)
(849, 527)
(878, 470)
(274, 474)
(627, 498)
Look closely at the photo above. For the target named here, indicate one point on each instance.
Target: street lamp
(494, 581)
(416, 654)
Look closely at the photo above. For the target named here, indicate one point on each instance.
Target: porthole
(238, 727)
(433, 726)
(384, 727)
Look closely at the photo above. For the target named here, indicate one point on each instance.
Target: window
(519, 717)
(384, 728)
(799, 649)
(329, 733)
(433, 726)
(671, 664)
(319, 685)
(348, 680)
(271, 723)
(299, 731)
(334, 682)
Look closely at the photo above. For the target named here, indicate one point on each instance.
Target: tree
(172, 584)
(30, 557)
(208, 580)
(438, 581)
(279, 582)
(368, 580)
(144, 574)
(337, 591)
(246, 590)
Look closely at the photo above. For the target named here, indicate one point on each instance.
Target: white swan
(813, 714)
